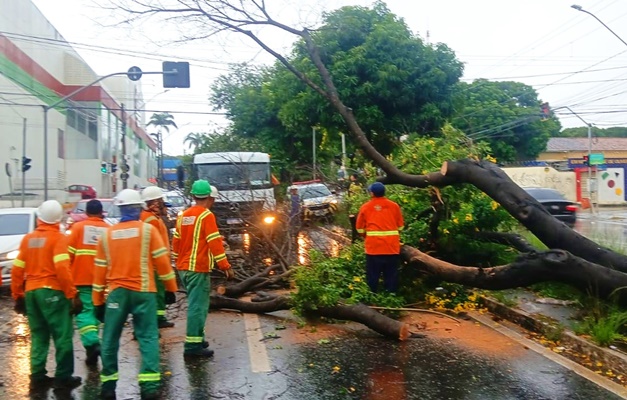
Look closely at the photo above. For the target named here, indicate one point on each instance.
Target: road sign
(124, 176)
(597, 159)
(134, 73)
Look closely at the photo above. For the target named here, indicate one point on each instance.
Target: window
(14, 224)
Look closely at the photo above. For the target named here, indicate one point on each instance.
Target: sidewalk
(551, 322)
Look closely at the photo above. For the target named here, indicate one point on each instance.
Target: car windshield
(545, 194)
(81, 205)
(14, 224)
(176, 201)
(311, 192)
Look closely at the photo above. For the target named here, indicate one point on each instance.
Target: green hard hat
(201, 188)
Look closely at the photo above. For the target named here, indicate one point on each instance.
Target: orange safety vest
(82, 248)
(43, 262)
(127, 256)
(196, 243)
(381, 221)
(149, 217)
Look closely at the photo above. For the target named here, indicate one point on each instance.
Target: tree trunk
(552, 265)
(374, 320)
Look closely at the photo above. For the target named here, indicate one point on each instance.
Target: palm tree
(194, 140)
(161, 121)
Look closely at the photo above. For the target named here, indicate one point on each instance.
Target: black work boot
(198, 353)
(164, 323)
(40, 383)
(93, 352)
(68, 383)
(149, 395)
(205, 344)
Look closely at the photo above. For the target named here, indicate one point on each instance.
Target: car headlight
(10, 255)
(69, 221)
(179, 213)
(269, 219)
(333, 201)
(68, 232)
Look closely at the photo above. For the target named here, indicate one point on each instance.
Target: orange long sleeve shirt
(381, 221)
(196, 243)
(43, 262)
(82, 249)
(156, 221)
(127, 256)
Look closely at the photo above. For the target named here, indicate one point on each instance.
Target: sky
(568, 56)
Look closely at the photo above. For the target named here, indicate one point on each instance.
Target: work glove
(99, 311)
(170, 298)
(230, 274)
(77, 306)
(20, 306)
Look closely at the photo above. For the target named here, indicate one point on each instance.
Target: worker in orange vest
(82, 248)
(127, 256)
(380, 221)
(153, 197)
(41, 284)
(197, 245)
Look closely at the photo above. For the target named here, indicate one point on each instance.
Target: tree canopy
(506, 115)
(393, 82)
(617, 131)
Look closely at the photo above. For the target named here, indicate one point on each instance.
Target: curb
(611, 359)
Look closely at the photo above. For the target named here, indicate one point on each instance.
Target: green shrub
(604, 330)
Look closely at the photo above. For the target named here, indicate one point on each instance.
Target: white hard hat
(128, 197)
(214, 192)
(50, 211)
(152, 193)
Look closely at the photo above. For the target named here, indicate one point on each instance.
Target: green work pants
(143, 307)
(198, 285)
(49, 316)
(86, 321)
(160, 299)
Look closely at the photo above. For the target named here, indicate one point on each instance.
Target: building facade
(603, 183)
(38, 68)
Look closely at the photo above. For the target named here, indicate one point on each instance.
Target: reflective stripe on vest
(145, 254)
(196, 239)
(382, 233)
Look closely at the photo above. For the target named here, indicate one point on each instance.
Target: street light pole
(589, 125)
(579, 8)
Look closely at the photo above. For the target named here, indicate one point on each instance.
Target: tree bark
(530, 268)
(372, 319)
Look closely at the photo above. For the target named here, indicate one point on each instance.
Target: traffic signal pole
(23, 158)
(124, 174)
(132, 74)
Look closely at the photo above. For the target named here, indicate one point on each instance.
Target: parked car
(317, 201)
(555, 203)
(78, 212)
(175, 204)
(15, 223)
(86, 191)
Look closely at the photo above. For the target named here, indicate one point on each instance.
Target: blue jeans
(386, 265)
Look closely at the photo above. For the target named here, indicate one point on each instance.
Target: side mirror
(167, 204)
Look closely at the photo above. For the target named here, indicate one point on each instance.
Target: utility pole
(124, 174)
(590, 167)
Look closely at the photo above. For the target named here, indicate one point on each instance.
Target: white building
(38, 67)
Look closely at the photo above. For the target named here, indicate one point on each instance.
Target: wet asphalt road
(291, 364)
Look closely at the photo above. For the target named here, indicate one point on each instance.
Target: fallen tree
(572, 258)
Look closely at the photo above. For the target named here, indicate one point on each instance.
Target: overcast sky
(567, 55)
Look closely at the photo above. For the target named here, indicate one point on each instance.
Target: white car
(15, 223)
(316, 199)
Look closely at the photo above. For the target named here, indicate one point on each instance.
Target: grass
(502, 298)
(557, 290)
(604, 330)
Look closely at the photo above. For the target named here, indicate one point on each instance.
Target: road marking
(259, 361)
(580, 370)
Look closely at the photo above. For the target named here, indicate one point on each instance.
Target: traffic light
(180, 79)
(586, 160)
(104, 167)
(114, 168)
(338, 159)
(125, 167)
(25, 164)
